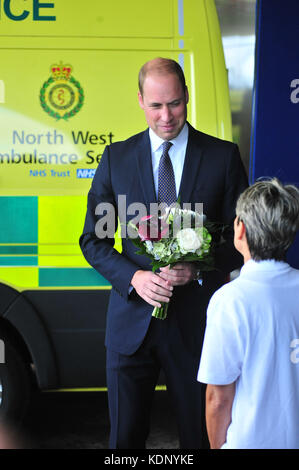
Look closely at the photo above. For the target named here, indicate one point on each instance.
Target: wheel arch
(23, 325)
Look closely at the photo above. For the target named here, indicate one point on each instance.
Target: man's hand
(178, 275)
(151, 287)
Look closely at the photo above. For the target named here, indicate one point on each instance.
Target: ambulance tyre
(15, 383)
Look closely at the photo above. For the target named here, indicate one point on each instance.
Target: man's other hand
(179, 275)
(152, 287)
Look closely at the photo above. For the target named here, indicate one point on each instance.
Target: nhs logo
(85, 172)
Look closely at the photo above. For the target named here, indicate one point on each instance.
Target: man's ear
(187, 95)
(140, 100)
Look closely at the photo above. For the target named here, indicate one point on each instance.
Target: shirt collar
(180, 139)
(264, 265)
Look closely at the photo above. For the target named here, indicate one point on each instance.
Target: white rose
(188, 240)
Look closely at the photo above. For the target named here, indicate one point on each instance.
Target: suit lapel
(191, 166)
(145, 169)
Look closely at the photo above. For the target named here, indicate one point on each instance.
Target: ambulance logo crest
(61, 96)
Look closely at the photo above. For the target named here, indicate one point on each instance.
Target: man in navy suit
(206, 170)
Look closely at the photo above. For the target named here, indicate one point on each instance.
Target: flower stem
(160, 312)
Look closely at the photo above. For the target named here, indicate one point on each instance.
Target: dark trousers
(131, 384)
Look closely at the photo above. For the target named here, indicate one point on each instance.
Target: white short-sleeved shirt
(252, 338)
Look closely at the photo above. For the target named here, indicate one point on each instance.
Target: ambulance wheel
(15, 383)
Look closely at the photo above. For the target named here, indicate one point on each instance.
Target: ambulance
(68, 88)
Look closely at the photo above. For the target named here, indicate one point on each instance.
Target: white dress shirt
(176, 153)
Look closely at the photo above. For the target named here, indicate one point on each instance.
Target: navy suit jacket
(214, 175)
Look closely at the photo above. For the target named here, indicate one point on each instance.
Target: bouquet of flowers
(179, 235)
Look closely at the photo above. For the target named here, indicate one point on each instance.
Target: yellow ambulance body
(68, 87)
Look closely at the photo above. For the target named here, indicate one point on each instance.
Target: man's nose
(166, 114)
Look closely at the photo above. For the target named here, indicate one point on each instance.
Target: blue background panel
(275, 142)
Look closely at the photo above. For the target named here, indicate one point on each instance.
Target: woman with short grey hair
(250, 357)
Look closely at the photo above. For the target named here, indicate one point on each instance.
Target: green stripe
(70, 277)
(18, 250)
(18, 219)
(18, 260)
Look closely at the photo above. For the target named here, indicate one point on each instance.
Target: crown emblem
(61, 71)
(61, 96)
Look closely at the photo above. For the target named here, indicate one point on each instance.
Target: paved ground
(80, 421)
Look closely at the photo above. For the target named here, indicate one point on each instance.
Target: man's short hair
(270, 213)
(161, 66)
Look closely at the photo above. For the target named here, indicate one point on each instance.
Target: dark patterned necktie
(166, 180)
